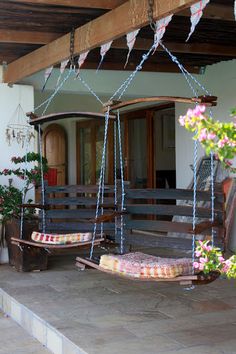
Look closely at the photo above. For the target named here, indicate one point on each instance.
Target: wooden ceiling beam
(96, 4)
(212, 11)
(215, 12)
(188, 48)
(134, 14)
(26, 37)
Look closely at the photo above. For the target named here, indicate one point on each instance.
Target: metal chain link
(122, 186)
(42, 176)
(72, 47)
(212, 199)
(150, 15)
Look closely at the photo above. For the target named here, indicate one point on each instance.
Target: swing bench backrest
(151, 222)
(71, 208)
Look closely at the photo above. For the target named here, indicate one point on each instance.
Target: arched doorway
(55, 150)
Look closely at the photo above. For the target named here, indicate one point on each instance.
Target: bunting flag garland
(130, 39)
(196, 14)
(63, 65)
(104, 49)
(160, 29)
(81, 60)
(62, 69)
(47, 75)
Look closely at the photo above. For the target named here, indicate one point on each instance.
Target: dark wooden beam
(215, 12)
(134, 14)
(96, 4)
(191, 48)
(26, 37)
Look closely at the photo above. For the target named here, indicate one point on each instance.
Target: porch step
(38, 328)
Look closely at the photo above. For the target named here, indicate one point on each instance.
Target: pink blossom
(198, 253)
(190, 112)
(198, 110)
(201, 266)
(196, 265)
(221, 259)
(211, 136)
(228, 263)
(182, 121)
(203, 260)
(203, 135)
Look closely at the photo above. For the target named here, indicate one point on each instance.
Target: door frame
(92, 124)
(148, 114)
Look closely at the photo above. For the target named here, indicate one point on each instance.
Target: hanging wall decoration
(18, 130)
(196, 14)
(47, 75)
(160, 29)
(130, 39)
(62, 69)
(104, 49)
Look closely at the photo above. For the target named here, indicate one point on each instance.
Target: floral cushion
(141, 265)
(61, 239)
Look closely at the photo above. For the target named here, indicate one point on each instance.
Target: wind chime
(18, 130)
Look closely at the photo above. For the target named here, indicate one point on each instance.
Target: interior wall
(164, 156)
(10, 98)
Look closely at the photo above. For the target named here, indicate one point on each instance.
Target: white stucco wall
(220, 79)
(10, 97)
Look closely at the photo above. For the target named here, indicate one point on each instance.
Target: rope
(89, 88)
(42, 176)
(212, 199)
(194, 198)
(122, 185)
(115, 177)
(56, 89)
(100, 179)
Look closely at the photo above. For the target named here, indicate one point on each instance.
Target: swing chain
(150, 15)
(72, 47)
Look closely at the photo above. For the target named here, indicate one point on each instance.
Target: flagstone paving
(98, 313)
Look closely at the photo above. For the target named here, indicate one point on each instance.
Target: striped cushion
(61, 239)
(141, 265)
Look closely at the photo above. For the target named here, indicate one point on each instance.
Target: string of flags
(160, 28)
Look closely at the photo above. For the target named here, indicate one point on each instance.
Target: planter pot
(24, 259)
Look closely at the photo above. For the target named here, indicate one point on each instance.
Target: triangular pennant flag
(130, 39)
(63, 65)
(196, 14)
(47, 74)
(62, 69)
(81, 60)
(104, 49)
(160, 29)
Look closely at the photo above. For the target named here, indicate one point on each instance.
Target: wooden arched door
(55, 150)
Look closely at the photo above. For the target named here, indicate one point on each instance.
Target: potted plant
(11, 199)
(220, 139)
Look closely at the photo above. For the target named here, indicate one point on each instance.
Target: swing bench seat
(68, 210)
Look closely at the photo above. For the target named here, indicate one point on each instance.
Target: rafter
(26, 37)
(97, 4)
(134, 14)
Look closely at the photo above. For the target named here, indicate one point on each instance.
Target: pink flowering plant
(214, 136)
(31, 176)
(210, 259)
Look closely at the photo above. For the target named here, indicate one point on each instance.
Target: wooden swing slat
(208, 101)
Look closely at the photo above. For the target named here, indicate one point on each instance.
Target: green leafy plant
(214, 136)
(10, 201)
(210, 259)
